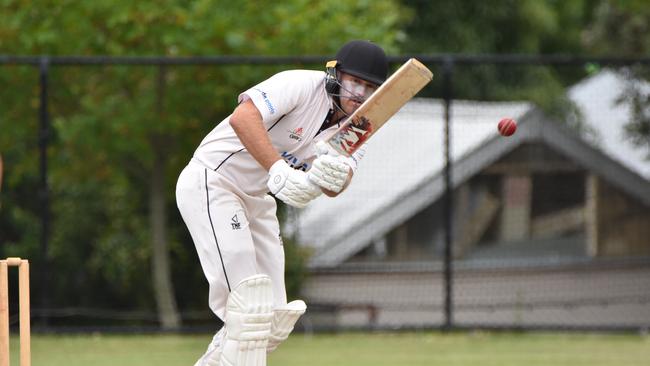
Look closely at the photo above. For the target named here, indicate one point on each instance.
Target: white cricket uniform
(222, 193)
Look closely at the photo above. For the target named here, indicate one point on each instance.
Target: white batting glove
(290, 185)
(329, 171)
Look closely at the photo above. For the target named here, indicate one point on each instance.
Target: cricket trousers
(236, 235)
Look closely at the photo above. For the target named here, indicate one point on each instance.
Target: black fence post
(43, 139)
(447, 71)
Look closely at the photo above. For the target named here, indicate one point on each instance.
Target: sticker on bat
(352, 135)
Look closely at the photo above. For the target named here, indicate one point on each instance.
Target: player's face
(354, 91)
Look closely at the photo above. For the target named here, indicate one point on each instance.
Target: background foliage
(122, 134)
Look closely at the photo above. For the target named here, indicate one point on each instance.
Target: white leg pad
(249, 312)
(284, 319)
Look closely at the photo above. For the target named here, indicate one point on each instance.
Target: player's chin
(353, 106)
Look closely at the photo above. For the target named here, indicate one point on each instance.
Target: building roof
(597, 99)
(388, 189)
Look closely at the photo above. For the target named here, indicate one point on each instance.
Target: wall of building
(623, 224)
(531, 195)
(588, 295)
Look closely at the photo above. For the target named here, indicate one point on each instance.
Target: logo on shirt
(268, 103)
(296, 134)
(236, 225)
(293, 161)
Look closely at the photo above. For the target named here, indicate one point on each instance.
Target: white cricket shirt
(293, 105)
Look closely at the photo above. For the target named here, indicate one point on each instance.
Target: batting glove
(290, 185)
(329, 171)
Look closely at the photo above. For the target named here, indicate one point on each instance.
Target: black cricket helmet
(362, 59)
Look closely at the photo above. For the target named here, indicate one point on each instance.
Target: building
(550, 227)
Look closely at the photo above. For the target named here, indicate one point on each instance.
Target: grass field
(355, 349)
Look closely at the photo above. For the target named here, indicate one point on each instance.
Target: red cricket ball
(507, 126)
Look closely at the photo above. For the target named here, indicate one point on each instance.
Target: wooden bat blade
(389, 98)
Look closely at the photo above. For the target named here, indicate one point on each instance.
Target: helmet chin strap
(336, 99)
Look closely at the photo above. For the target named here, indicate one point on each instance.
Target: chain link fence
(447, 224)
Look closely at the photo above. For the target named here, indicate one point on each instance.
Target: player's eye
(359, 87)
(369, 87)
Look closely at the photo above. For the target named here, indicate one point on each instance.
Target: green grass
(355, 349)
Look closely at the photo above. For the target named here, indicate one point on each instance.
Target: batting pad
(284, 319)
(212, 356)
(249, 313)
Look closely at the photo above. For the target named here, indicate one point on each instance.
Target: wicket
(23, 290)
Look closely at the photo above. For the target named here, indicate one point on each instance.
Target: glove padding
(328, 171)
(290, 185)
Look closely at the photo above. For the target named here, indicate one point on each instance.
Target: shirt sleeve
(277, 95)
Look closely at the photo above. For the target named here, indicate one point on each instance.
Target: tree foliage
(508, 26)
(116, 127)
(622, 28)
(528, 27)
(121, 134)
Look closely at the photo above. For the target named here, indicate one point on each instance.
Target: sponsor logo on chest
(296, 134)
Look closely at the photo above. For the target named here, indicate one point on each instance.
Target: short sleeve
(277, 95)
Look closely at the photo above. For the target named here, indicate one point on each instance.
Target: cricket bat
(389, 98)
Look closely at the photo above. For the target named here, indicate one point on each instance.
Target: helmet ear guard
(331, 80)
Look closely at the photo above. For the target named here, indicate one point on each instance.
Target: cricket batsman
(271, 143)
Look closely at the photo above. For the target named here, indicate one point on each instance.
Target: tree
(122, 134)
(1, 170)
(504, 27)
(621, 28)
